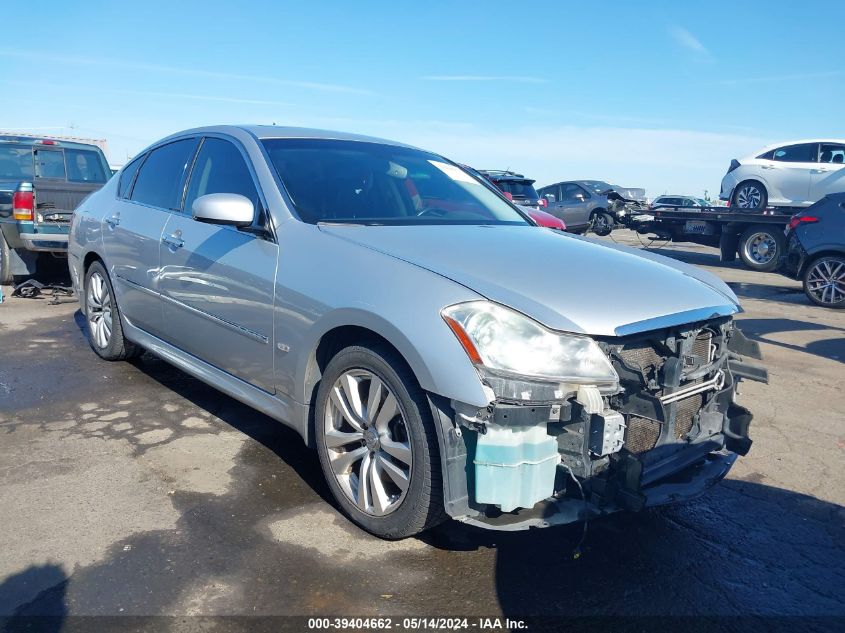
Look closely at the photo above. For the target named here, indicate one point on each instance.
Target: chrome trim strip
(216, 319)
(679, 318)
(714, 383)
(136, 285)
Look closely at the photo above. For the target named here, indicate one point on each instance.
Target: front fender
(428, 346)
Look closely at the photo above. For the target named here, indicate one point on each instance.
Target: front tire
(377, 444)
(750, 195)
(105, 332)
(824, 281)
(602, 223)
(760, 247)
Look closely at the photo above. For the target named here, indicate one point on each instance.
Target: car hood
(568, 283)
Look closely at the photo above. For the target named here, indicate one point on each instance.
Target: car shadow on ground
(743, 549)
(830, 348)
(46, 612)
(697, 257)
(286, 443)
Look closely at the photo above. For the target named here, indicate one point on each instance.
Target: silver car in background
(444, 357)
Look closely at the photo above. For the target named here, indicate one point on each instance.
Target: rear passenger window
(49, 164)
(220, 168)
(161, 180)
(83, 165)
(124, 185)
(804, 153)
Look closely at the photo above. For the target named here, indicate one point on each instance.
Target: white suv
(786, 175)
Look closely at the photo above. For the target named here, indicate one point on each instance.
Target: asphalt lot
(133, 489)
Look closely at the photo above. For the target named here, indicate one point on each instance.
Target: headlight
(505, 341)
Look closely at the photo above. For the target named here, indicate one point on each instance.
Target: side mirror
(580, 197)
(224, 208)
(550, 197)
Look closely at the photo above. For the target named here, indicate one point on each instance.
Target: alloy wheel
(749, 197)
(367, 442)
(600, 223)
(826, 281)
(98, 303)
(761, 248)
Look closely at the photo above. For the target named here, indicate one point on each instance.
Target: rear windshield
(371, 183)
(25, 162)
(519, 188)
(15, 162)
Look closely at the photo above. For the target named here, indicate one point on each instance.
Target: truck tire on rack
(760, 247)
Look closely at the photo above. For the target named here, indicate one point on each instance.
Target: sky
(660, 95)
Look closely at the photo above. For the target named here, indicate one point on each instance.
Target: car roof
(799, 142)
(36, 140)
(263, 132)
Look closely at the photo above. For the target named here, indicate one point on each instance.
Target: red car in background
(545, 219)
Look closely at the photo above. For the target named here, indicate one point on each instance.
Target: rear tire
(105, 331)
(377, 444)
(760, 247)
(750, 195)
(824, 281)
(6, 277)
(602, 223)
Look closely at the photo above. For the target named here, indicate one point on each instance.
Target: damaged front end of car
(657, 424)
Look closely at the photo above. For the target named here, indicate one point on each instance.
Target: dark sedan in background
(816, 251)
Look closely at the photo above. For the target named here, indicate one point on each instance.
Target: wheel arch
(430, 351)
(816, 255)
(90, 258)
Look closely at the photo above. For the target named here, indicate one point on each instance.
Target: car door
(217, 281)
(788, 173)
(149, 187)
(575, 205)
(828, 176)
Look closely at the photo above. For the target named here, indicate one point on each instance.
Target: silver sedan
(445, 356)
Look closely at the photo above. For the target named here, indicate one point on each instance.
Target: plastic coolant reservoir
(515, 466)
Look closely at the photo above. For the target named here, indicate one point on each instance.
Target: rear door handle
(113, 220)
(174, 240)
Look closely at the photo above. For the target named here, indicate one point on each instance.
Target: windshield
(371, 183)
(597, 186)
(519, 188)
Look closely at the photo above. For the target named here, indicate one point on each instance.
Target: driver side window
(220, 168)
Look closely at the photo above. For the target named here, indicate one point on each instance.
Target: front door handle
(174, 240)
(113, 220)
